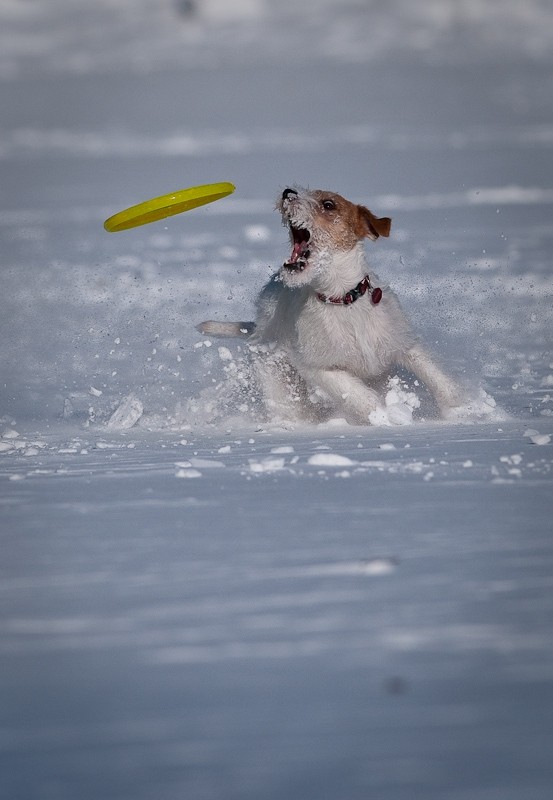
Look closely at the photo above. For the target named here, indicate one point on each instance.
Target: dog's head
(323, 224)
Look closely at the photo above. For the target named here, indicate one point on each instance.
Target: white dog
(326, 333)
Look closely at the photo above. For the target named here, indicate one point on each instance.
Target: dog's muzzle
(300, 249)
(287, 192)
(300, 236)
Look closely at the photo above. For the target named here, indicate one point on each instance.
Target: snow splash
(235, 399)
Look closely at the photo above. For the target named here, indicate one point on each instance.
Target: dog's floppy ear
(374, 226)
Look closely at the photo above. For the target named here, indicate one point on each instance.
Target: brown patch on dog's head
(345, 222)
(321, 223)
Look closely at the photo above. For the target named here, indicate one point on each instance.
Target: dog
(326, 333)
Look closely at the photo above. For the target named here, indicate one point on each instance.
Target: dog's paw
(480, 408)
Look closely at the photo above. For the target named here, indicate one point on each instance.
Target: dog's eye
(329, 205)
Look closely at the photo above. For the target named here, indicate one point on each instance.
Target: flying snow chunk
(480, 408)
(400, 404)
(128, 413)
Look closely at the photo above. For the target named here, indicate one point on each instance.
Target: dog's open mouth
(300, 250)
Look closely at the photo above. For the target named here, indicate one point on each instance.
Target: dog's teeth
(295, 266)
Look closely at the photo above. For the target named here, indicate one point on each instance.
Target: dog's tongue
(298, 250)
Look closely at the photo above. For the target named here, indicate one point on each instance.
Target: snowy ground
(246, 610)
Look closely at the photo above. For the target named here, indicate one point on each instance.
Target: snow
(196, 601)
(266, 464)
(541, 438)
(330, 460)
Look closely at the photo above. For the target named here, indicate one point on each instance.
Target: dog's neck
(340, 271)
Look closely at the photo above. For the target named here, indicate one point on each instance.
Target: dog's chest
(352, 337)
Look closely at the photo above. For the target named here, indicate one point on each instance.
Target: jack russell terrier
(325, 332)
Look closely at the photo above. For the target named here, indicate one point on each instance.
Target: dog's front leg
(347, 393)
(445, 391)
(283, 393)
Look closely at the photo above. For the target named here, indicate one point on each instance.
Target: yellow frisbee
(167, 205)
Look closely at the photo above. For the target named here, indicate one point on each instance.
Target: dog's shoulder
(278, 307)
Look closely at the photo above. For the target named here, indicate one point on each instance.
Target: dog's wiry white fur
(337, 354)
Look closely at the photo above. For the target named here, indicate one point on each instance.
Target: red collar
(350, 297)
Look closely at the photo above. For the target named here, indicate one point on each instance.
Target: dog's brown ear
(374, 226)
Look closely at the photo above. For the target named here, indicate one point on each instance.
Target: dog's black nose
(287, 192)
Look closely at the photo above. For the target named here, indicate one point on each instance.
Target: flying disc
(167, 205)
